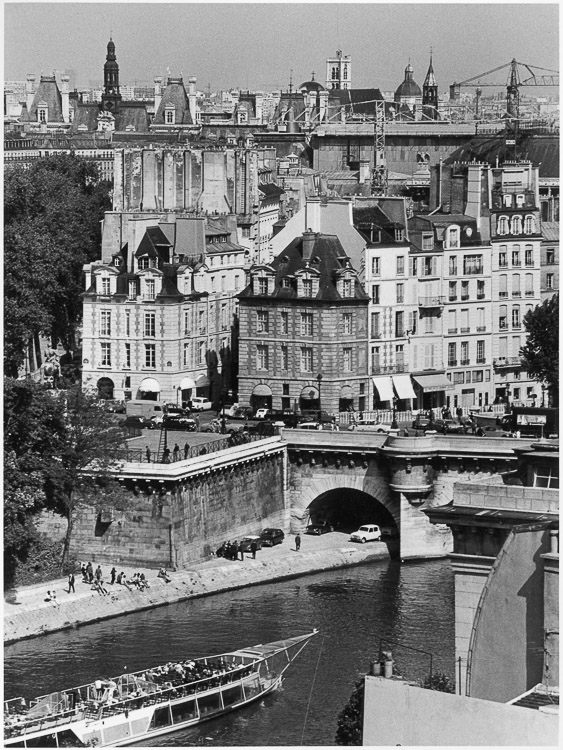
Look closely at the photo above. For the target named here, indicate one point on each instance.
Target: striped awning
(437, 382)
(403, 386)
(384, 387)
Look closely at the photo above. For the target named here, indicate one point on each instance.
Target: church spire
(111, 96)
(430, 93)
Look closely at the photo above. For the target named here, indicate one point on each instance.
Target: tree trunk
(68, 535)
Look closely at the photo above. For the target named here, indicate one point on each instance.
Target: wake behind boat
(128, 708)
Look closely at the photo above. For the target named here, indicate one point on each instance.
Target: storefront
(261, 397)
(431, 390)
(149, 390)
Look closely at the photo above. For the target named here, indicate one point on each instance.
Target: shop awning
(436, 382)
(262, 390)
(403, 386)
(346, 392)
(186, 384)
(384, 387)
(202, 381)
(149, 385)
(310, 392)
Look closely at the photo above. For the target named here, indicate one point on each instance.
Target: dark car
(420, 422)
(243, 412)
(310, 415)
(271, 537)
(138, 422)
(319, 528)
(265, 429)
(247, 542)
(177, 422)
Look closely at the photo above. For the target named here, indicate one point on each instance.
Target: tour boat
(152, 702)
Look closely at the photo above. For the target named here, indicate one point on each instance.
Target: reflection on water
(353, 609)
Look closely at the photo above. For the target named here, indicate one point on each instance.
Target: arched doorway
(186, 388)
(346, 509)
(105, 388)
(346, 399)
(202, 385)
(149, 390)
(261, 397)
(309, 398)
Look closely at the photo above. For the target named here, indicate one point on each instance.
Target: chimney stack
(308, 243)
(65, 97)
(157, 92)
(30, 89)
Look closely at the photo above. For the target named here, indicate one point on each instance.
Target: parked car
(247, 541)
(199, 403)
(177, 422)
(271, 537)
(174, 409)
(262, 413)
(137, 421)
(372, 427)
(446, 426)
(242, 412)
(319, 528)
(316, 415)
(389, 532)
(494, 431)
(264, 429)
(216, 425)
(367, 533)
(309, 426)
(420, 422)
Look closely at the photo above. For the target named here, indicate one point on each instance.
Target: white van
(142, 408)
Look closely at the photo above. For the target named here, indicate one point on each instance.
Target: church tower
(111, 96)
(430, 95)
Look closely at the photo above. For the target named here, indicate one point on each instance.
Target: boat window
(184, 712)
(46, 740)
(161, 718)
(232, 695)
(251, 687)
(67, 738)
(208, 703)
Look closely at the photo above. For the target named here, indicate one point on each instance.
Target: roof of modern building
(537, 697)
(550, 230)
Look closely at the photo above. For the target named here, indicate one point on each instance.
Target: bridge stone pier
(353, 478)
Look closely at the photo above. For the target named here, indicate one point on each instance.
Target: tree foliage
(350, 719)
(438, 681)
(60, 449)
(541, 351)
(52, 214)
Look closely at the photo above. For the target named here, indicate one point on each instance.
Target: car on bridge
(316, 529)
(367, 533)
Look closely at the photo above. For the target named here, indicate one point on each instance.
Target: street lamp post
(543, 394)
(394, 425)
(164, 427)
(508, 397)
(319, 379)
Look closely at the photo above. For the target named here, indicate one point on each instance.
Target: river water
(353, 608)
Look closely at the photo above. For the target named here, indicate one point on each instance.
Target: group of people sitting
(138, 580)
(174, 675)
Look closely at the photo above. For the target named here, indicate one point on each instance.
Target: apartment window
(400, 265)
(105, 352)
(347, 324)
(480, 289)
(212, 283)
(502, 347)
(516, 345)
(516, 316)
(428, 324)
(262, 321)
(150, 355)
(132, 289)
(516, 257)
(477, 376)
(429, 356)
(529, 255)
(516, 285)
(529, 225)
(480, 319)
(472, 265)
(223, 283)
(503, 319)
(414, 263)
(170, 116)
(347, 359)
(106, 285)
(308, 287)
(549, 281)
(452, 321)
(42, 113)
(262, 286)
(201, 321)
(224, 317)
(127, 355)
(375, 331)
(375, 359)
(464, 354)
(429, 266)
(143, 263)
(105, 323)
(503, 285)
(400, 293)
(186, 357)
(480, 352)
(399, 324)
(453, 265)
(150, 287)
(150, 324)
(459, 378)
(262, 357)
(201, 352)
(237, 282)
(529, 285)
(347, 288)
(375, 294)
(465, 290)
(375, 266)
(503, 257)
(452, 237)
(284, 358)
(127, 322)
(284, 322)
(452, 290)
(306, 359)
(306, 324)
(549, 256)
(516, 225)
(507, 200)
(286, 283)
(502, 225)
(464, 320)
(452, 360)
(413, 320)
(516, 394)
(427, 243)
(400, 357)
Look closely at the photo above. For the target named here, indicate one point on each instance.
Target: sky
(260, 46)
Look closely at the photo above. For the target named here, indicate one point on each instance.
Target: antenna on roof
(291, 81)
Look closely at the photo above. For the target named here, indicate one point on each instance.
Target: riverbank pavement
(28, 611)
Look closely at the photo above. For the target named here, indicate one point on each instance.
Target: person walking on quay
(90, 572)
(240, 549)
(176, 452)
(148, 454)
(253, 548)
(113, 574)
(297, 542)
(71, 583)
(186, 451)
(98, 574)
(459, 413)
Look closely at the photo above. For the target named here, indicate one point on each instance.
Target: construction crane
(513, 84)
(379, 171)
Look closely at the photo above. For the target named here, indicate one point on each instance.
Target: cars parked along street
(199, 403)
(366, 533)
(319, 528)
(271, 537)
(247, 542)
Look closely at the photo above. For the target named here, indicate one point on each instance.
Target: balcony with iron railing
(435, 301)
(389, 369)
(463, 361)
(501, 362)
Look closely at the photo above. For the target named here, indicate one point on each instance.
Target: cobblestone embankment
(27, 614)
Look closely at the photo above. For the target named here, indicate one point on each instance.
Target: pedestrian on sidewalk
(98, 573)
(148, 454)
(113, 574)
(90, 572)
(186, 451)
(176, 452)
(297, 542)
(253, 548)
(240, 549)
(71, 583)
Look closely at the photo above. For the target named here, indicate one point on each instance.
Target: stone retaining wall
(36, 619)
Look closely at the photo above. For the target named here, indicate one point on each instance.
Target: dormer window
(105, 286)
(347, 288)
(428, 242)
(502, 225)
(452, 237)
(307, 287)
(286, 283)
(143, 262)
(520, 200)
(399, 235)
(170, 115)
(42, 114)
(529, 225)
(117, 262)
(507, 201)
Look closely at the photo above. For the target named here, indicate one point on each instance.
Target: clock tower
(111, 96)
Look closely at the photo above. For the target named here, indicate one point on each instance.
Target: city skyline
(287, 42)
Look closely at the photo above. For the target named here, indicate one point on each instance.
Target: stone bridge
(173, 514)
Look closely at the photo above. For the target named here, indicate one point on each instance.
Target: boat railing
(29, 724)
